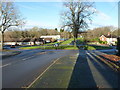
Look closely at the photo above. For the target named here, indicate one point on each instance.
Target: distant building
(26, 41)
(109, 38)
(51, 36)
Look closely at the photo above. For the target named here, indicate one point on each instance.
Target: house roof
(24, 40)
(110, 36)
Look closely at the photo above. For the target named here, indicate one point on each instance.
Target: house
(26, 41)
(13, 42)
(109, 38)
(50, 38)
(34, 41)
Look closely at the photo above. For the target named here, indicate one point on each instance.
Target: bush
(103, 42)
(86, 47)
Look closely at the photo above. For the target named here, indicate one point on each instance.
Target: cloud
(100, 14)
(26, 7)
(97, 23)
(103, 16)
(31, 24)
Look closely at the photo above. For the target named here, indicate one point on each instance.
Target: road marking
(33, 56)
(19, 60)
(5, 65)
(42, 73)
(27, 58)
(41, 53)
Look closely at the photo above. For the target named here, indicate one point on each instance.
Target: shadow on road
(82, 76)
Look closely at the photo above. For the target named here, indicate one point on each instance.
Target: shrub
(103, 42)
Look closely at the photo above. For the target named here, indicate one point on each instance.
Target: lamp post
(118, 39)
(118, 45)
(2, 38)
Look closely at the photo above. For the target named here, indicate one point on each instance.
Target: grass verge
(58, 75)
(88, 47)
(51, 43)
(68, 47)
(67, 41)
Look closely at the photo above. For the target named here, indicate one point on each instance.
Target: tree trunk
(74, 41)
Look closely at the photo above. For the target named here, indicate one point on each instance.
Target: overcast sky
(47, 14)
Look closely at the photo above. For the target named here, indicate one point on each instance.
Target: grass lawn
(71, 48)
(51, 47)
(51, 43)
(88, 47)
(68, 47)
(67, 41)
(70, 40)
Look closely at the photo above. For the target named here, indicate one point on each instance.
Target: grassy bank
(51, 43)
(51, 47)
(67, 41)
(88, 47)
(79, 40)
(68, 47)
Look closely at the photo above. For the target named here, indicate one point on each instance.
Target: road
(20, 70)
(89, 71)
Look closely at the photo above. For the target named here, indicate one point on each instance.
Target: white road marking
(18, 61)
(5, 65)
(27, 58)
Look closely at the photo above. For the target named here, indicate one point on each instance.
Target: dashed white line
(18, 61)
(5, 65)
(27, 58)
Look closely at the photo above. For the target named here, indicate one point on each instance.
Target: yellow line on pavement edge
(41, 74)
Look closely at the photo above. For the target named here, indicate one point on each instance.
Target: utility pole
(2, 38)
(118, 39)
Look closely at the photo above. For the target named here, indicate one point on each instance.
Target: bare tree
(77, 15)
(8, 17)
